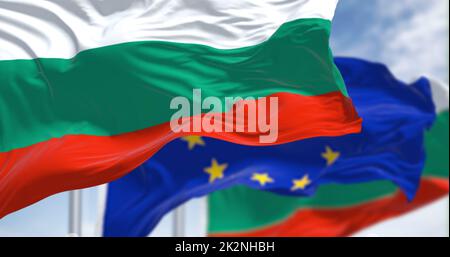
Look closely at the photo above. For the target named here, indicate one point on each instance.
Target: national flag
(390, 148)
(337, 210)
(86, 86)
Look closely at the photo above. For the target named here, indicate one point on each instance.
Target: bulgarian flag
(337, 210)
(86, 86)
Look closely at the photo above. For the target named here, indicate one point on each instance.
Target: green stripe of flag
(436, 144)
(226, 214)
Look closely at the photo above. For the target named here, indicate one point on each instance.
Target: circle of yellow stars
(216, 170)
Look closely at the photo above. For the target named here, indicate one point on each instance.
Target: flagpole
(178, 221)
(75, 218)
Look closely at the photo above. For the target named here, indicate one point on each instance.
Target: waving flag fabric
(85, 86)
(390, 148)
(336, 210)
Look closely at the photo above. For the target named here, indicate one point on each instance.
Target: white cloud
(419, 44)
(410, 36)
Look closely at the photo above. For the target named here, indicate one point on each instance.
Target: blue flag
(390, 147)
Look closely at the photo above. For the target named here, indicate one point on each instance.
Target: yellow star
(330, 156)
(216, 170)
(193, 141)
(262, 178)
(300, 183)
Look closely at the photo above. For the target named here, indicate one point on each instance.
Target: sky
(410, 36)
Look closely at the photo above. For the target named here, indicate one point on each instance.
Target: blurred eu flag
(390, 147)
